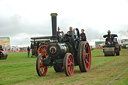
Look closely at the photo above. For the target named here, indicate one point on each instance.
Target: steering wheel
(75, 38)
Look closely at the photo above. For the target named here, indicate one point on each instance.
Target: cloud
(15, 25)
(30, 18)
(123, 32)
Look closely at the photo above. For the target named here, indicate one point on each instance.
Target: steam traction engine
(63, 52)
(3, 54)
(36, 46)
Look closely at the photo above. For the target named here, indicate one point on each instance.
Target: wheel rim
(42, 50)
(42, 68)
(87, 57)
(69, 64)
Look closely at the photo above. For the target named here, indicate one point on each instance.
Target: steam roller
(111, 47)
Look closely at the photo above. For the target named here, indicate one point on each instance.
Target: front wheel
(40, 67)
(68, 64)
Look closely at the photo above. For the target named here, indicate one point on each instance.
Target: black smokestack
(54, 24)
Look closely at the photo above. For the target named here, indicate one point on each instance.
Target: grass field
(17, 69)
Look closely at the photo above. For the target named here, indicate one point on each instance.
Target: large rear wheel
(40, 67)
(84, 56)
(68, 64)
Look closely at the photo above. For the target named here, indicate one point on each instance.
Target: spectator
(28, 50)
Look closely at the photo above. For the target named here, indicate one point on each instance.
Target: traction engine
(63, 53)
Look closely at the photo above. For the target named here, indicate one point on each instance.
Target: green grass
(17, 69)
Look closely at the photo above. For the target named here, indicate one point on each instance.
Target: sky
(22, 19)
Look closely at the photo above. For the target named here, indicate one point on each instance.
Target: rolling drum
(109, 51)
(109, 54)
(84, 56)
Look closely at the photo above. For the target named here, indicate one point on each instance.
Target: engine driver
(108, 39)
(68, 35)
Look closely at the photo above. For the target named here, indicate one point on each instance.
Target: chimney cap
(54, 14)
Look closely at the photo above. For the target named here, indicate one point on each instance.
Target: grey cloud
(93, 34)
(123, 30)
(15, 25)
(20, 29)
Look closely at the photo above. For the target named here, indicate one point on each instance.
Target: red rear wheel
(40, 67)
(68, 64)
(87, 57)
(84, 56)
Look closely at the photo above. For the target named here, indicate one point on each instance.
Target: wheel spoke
(42, 49)
(87, 55)
(68, 65)
(68, 68)
(41, 65)
(41, 69)
(86, 61)
(68, 60)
